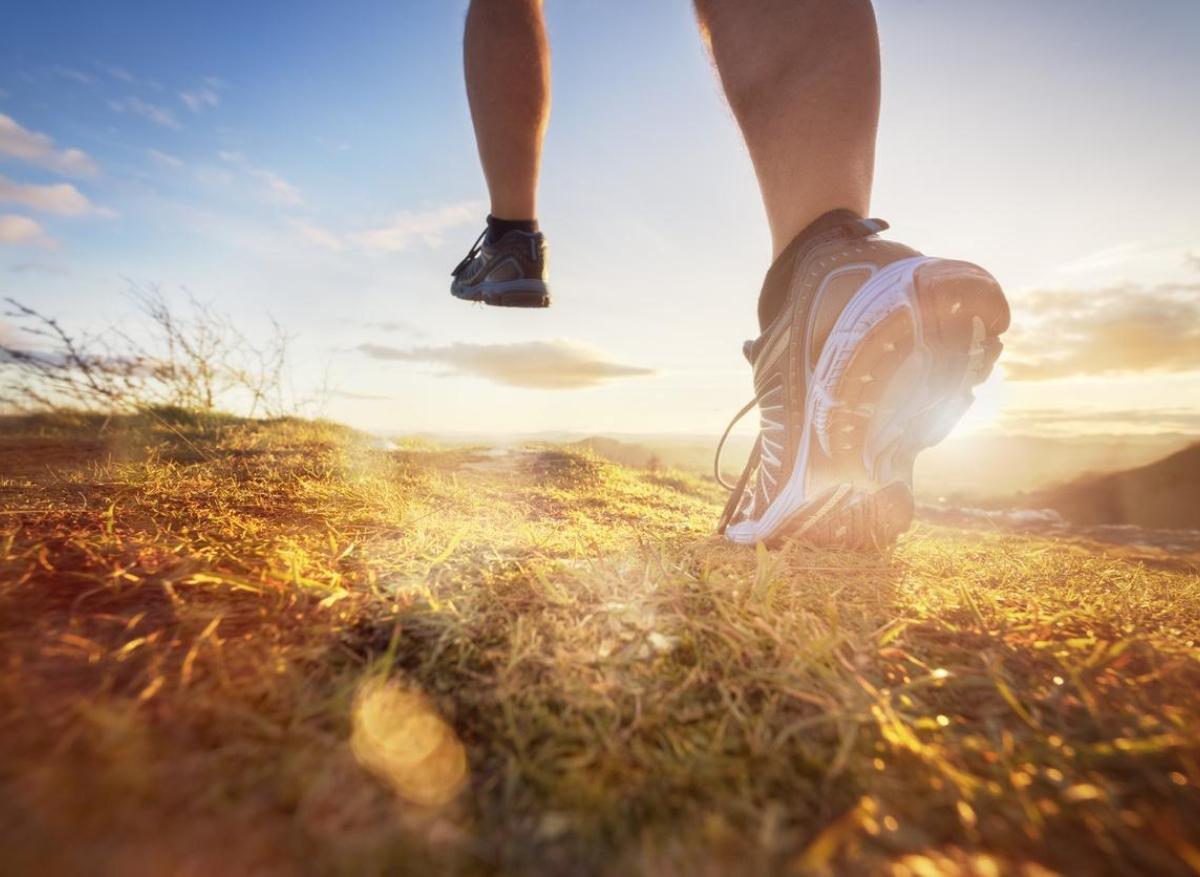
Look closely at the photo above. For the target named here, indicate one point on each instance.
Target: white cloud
(556, 364)
(156, 114)
(276, 188)
(120, 74)
(318, 236)
(62, 199)
(22, 231)
(425, 227)
(200, 98)
(1121, 329)
(75, 75)
(1104, 259)
(1022, 420)
(214, 176)
(163, 159)
(399, 326)
(35, 148)
(1129, 262)
(405, 230)
(360, 397)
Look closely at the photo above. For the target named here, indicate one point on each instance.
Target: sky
(314, 163)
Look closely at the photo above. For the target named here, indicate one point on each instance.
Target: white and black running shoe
(871, 359)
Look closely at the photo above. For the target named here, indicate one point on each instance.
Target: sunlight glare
(400, 738)
(985, 413)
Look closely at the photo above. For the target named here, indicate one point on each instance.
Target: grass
(274, 648)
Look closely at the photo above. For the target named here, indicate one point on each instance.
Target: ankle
(498, 228)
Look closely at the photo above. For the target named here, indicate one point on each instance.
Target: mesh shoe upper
(516, 256)
(823, 273)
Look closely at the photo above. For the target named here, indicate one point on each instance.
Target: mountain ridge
(1163, 494)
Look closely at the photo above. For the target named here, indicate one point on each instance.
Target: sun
(986, 412)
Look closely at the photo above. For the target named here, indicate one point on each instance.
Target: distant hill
(980, 467)
(634, 455)
(985, 470)
(690, 453)
(1164, 494)
(971, 468)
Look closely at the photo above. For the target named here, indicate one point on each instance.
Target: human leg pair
(869, 350)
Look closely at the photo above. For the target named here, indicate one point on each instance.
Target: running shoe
(509, 273)
(871, 359)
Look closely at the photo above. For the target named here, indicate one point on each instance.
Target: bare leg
(802, 78)
(507, 60)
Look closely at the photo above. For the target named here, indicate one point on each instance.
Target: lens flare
(401, 739)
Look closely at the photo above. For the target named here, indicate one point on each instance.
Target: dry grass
(271, 648)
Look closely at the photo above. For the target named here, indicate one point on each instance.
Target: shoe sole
(504, 295)
(849, 518)
(517, 300)
(895, 376)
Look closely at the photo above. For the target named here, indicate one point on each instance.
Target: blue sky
(315, 162)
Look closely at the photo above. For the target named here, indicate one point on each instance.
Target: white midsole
(889, 290)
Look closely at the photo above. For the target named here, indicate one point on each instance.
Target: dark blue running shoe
(508, 273)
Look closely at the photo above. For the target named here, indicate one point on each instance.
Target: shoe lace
(471, 254)
(738, 489)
